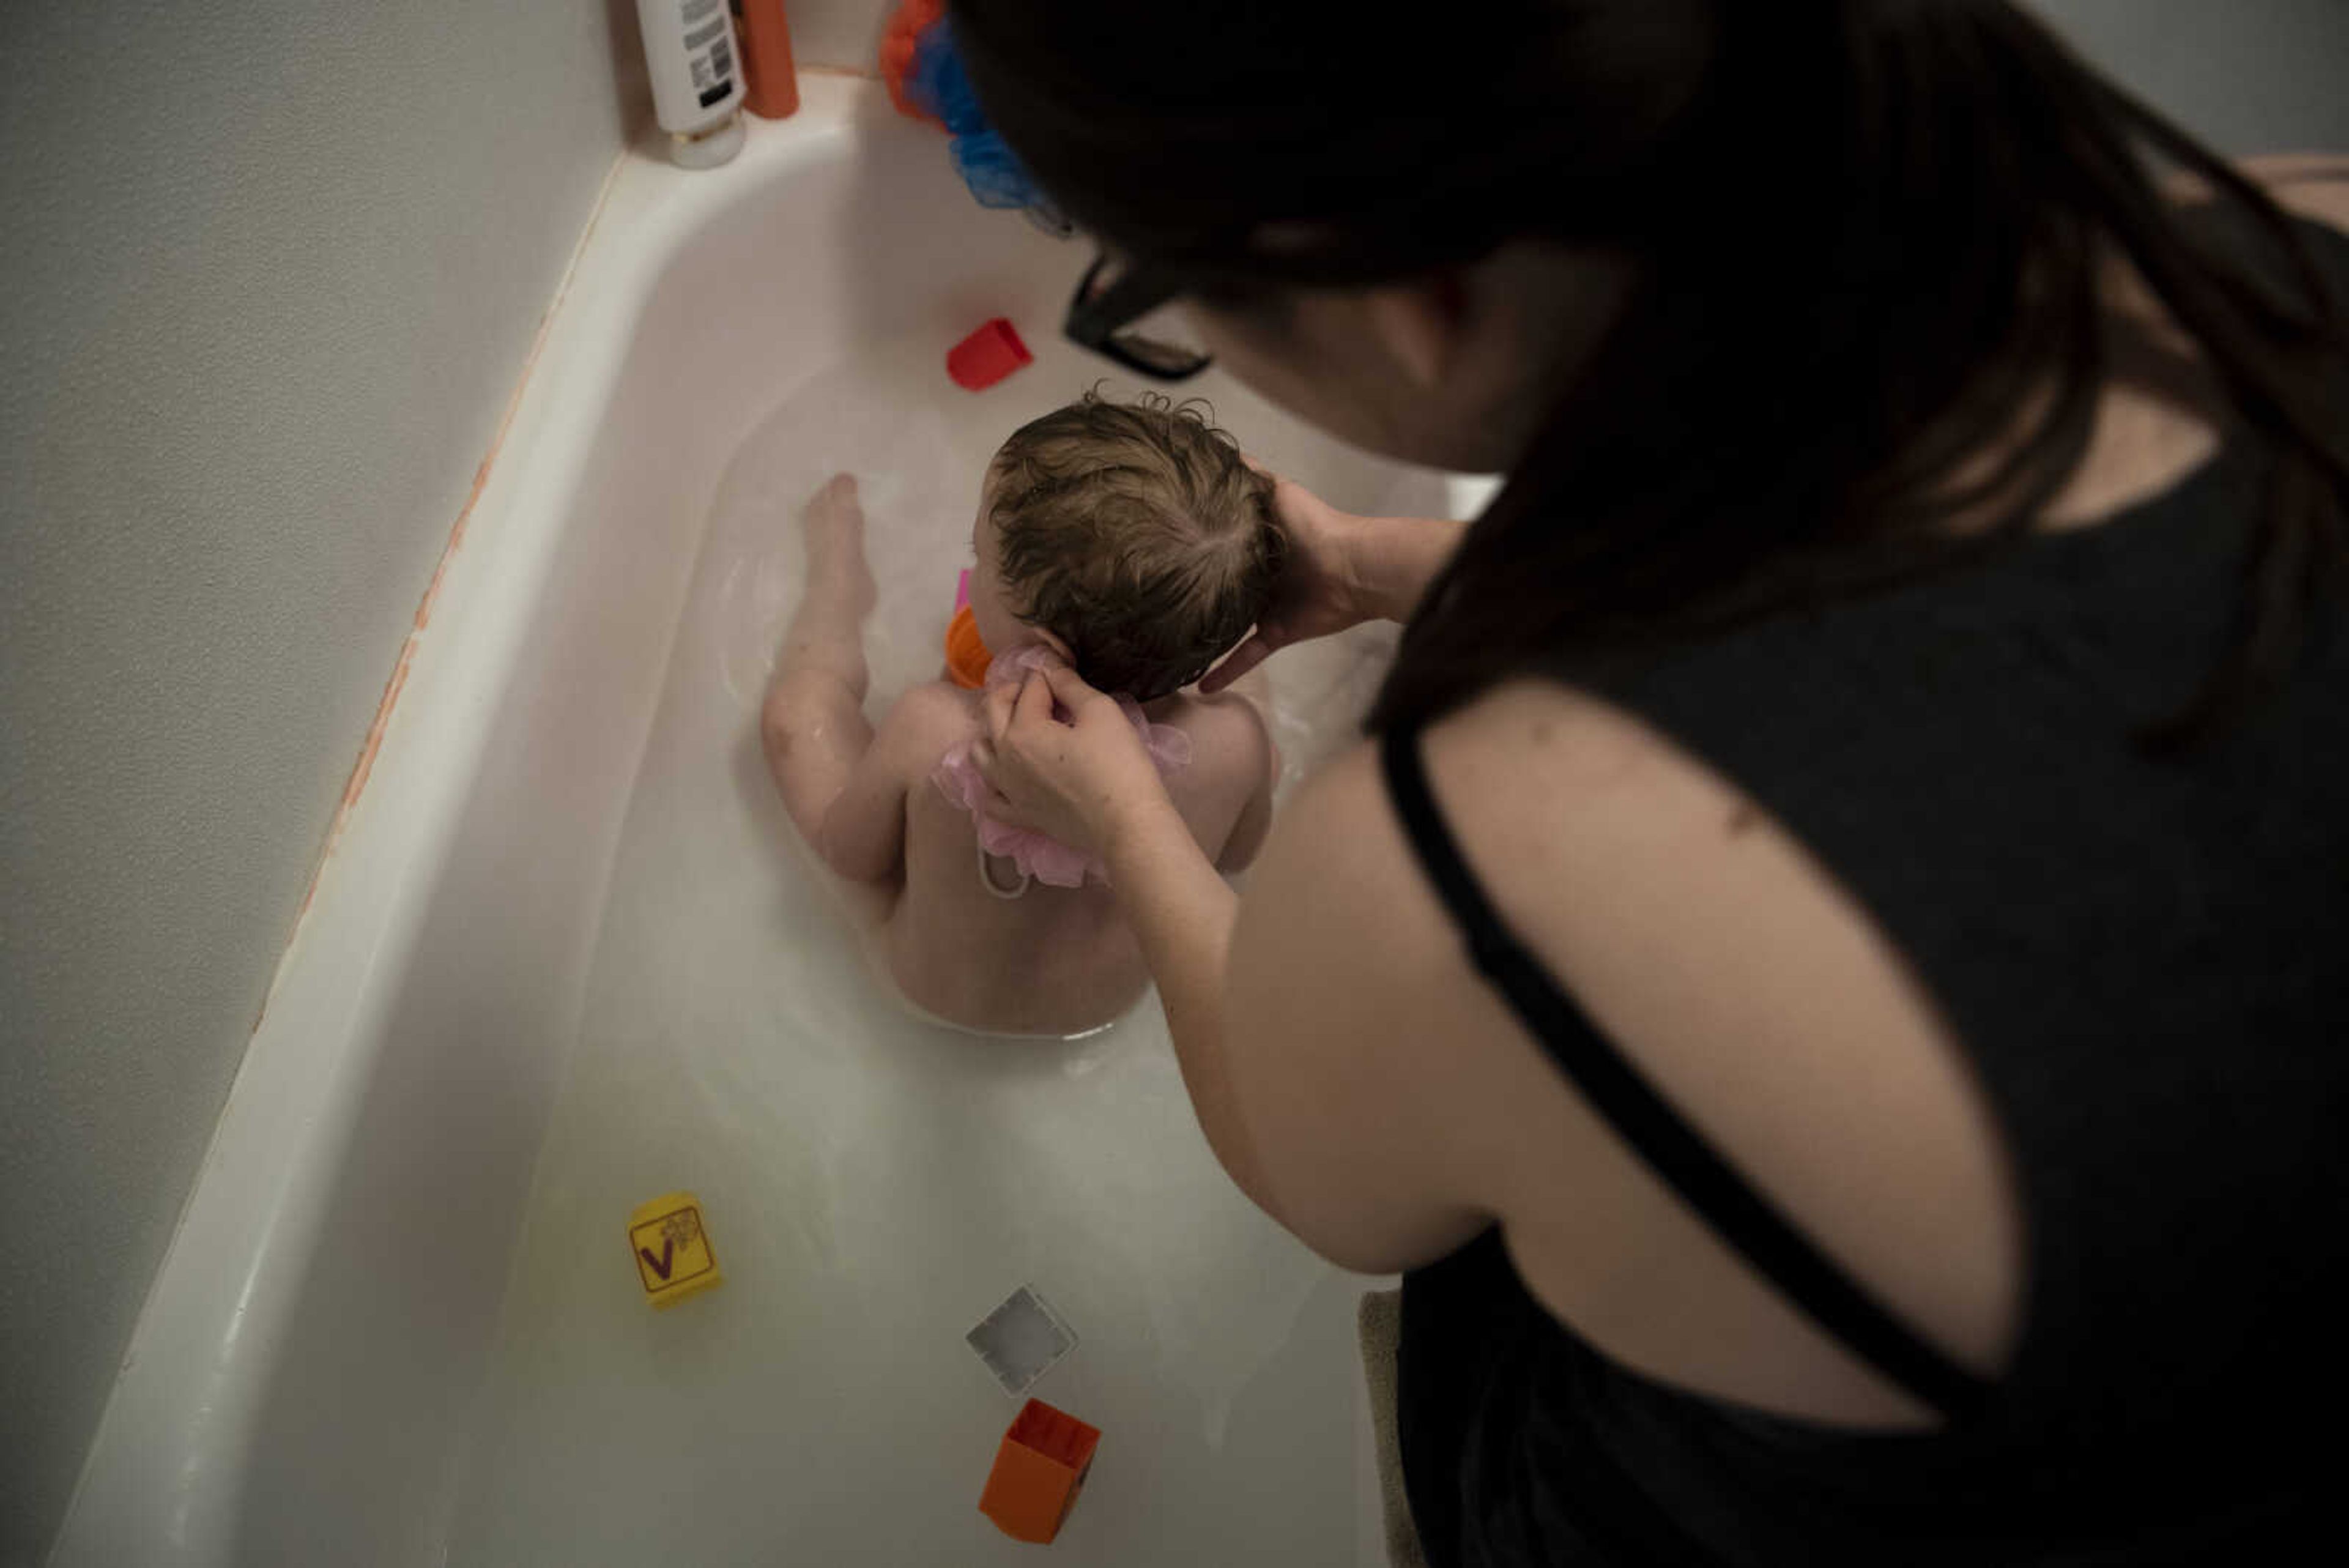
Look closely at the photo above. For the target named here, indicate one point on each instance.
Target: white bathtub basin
(561, 959)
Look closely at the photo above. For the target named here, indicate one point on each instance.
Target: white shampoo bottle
(697, 73)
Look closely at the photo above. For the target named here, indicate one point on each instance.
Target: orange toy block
(1038, 1472)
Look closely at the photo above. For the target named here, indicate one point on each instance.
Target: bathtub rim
(163, 1479)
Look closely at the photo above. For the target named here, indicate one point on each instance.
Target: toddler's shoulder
(1230, 737)
(934, 702)
(927, 720)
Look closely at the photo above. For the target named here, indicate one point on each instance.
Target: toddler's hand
(1062, 759)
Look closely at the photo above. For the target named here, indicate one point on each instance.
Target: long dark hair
(1872, 235)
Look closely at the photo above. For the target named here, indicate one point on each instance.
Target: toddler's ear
(1052, 641)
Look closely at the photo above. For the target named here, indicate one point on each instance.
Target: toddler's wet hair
(1137, 535)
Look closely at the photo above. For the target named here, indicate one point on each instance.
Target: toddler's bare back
(1052, 960)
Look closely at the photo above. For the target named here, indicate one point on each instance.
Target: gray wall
(271, 269)
(271, 272)
(2249, 75)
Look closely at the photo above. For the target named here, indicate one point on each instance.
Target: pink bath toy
(1040, 856)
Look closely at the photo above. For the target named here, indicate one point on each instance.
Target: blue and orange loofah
(926, 81)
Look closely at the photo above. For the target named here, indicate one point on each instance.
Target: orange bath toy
(966, 657)
(967, 660)
(898, 40)
(1037, 1472)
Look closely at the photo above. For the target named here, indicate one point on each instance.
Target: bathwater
(875, 1186)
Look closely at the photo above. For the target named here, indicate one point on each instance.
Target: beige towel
(1379, 1322)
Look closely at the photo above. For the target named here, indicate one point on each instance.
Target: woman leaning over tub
(1825, 976)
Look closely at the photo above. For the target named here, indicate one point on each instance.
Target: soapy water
(874, 1184)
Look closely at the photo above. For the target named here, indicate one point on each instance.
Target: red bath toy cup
(987, 355)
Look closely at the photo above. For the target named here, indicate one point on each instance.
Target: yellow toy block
(673, 1257)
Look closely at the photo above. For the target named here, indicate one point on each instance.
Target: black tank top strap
(1677, 1152)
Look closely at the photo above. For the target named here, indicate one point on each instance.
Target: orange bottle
(773, 83)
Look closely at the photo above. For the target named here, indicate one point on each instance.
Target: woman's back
(2139, 964)
(2130, 963)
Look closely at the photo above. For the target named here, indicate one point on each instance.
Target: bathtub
(561, 957)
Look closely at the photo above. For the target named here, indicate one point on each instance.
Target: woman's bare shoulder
(2318, 182)
(2312, 184)
(1368, 1053)
(1532, 770)
(1704, 941)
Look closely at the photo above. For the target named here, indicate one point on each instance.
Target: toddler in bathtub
(1133, 541)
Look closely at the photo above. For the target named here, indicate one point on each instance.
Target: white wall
(271, 272)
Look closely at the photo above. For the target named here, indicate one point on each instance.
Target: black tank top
(2147, 965)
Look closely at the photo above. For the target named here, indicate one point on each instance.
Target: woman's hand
(1062, 759)
(1341, 570)
(1320, 592)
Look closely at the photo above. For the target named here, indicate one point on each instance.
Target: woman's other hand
(1320, 591)
(1062, 759)
(1341, 570)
